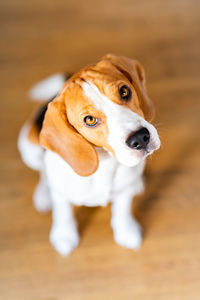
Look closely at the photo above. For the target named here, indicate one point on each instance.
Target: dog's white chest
(93, 190)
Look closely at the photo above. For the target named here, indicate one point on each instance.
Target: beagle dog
(89, 145)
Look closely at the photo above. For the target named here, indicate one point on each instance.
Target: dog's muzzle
(139, 140)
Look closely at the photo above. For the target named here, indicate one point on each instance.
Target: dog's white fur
(117, 180)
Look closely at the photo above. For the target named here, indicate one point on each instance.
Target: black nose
(139, 140)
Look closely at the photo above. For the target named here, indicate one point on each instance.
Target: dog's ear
(134, 71)
(59, 136)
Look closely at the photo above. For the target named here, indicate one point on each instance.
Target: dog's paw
(64, 240)
(41, 199)
(128, 234)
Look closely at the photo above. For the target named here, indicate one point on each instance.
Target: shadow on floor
(157, 181)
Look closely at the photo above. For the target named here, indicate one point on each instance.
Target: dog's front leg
(64, 235)
(127, 231)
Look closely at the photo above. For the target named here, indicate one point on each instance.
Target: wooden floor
(41, 37)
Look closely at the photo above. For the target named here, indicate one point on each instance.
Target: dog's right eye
(125, 93)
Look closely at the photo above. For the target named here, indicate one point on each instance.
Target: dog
(90, 143)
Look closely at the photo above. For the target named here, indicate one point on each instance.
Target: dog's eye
(125, 93)
(90, 121)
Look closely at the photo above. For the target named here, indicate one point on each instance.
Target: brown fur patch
(33, 135)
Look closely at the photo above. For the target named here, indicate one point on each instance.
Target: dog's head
(104, 105)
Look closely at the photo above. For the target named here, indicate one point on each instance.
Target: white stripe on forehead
(98, 99)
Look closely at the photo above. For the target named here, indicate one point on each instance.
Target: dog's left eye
(90, 120)
(125, 93)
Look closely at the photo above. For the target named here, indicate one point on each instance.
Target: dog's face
(104, 105)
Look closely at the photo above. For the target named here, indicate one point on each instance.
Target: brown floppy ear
(134, 71)
(59, 136)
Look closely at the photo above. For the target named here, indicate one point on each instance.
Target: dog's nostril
(136, 145)
(146, 138)
(139, 140)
